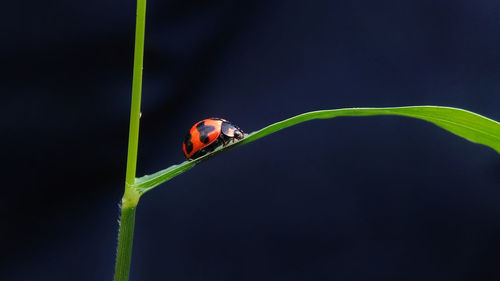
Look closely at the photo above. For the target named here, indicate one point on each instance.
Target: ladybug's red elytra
(206, 135)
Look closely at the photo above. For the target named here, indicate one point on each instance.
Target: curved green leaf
(463, 123)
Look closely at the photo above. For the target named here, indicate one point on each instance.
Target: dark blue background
(380, 198)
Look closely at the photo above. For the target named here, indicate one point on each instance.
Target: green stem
(131, 196)
(125, 236)
(135, 110)
(125, 239)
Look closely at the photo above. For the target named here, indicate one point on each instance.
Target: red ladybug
(206, 135)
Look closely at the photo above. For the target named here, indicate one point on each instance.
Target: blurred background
(380, 198)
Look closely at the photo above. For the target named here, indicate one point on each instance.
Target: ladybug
(206, 135)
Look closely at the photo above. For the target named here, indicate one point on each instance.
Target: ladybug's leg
(225, 139)
(213, 146)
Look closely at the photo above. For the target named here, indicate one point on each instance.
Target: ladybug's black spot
(188, 144)
(204, 131)
(204, 139)
(200, 125)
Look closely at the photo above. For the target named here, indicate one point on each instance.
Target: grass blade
(463, 123)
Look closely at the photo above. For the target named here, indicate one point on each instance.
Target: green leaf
(463, 123)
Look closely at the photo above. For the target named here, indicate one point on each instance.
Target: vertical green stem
(131, 196)
(125, 238)
(135, 110)
(127, 223)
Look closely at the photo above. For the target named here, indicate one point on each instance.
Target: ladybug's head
(238, 134)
